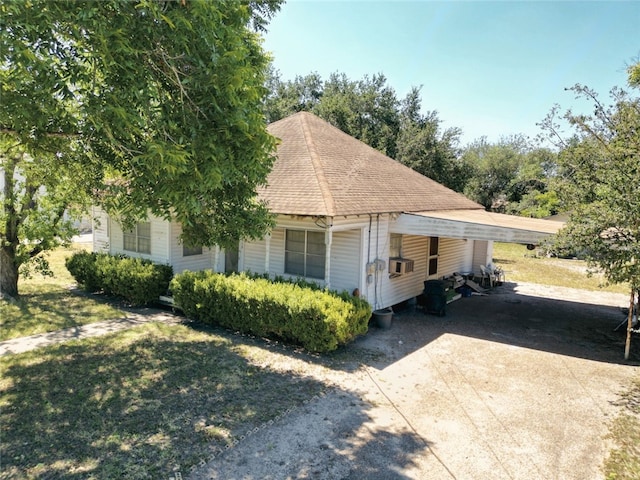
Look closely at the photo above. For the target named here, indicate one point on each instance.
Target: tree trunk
(8, 273)
(627, 345)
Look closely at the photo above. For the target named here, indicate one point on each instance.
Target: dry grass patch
(138, 403)
(624, 460)
(46, 304)
(522, 265)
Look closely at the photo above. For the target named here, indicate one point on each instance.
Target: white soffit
(477, 225)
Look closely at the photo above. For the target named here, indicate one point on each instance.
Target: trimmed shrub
(136, 280)
(82, 266)
(319, 320)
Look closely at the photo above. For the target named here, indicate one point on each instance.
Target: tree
(600, 165)
(424, 147)
(493, 169)
(146, 107)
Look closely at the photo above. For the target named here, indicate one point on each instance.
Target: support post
(627, 345)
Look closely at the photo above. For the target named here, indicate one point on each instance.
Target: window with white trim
(138, 239)
(304, 253)
(395, 245)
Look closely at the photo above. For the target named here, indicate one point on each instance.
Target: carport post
(627, 344)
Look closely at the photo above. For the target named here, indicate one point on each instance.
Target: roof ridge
(317, 167)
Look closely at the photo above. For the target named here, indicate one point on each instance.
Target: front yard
(156, 399)
(139, 403)
(46, 304)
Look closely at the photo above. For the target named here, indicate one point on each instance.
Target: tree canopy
(146, 107)
(511, 176)
(600, 170)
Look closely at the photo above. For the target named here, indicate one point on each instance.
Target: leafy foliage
(146, 106)
(600, 167)
(318, 320)
(136, 280)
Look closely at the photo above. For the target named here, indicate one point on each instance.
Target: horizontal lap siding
(159, 241)
(345, 260)
(480, 255)
(409, 285)
(101, 242)
(255, 255)
(193, 263)
(276, 256)
(454, 256)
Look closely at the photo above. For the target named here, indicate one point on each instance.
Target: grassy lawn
(46, 304)
(138, 403)
(521, 265)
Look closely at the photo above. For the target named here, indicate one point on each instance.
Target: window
(304, 253)
(395, 245)
(191, 251)
(138, 239)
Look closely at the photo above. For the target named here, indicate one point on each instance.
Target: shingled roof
(322, 171)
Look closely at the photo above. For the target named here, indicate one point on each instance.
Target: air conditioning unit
(400, 266)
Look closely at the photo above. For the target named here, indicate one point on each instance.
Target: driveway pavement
(507, 386)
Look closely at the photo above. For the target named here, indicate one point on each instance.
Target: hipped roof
(322, 171)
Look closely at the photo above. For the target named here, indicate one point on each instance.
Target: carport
(478, 225)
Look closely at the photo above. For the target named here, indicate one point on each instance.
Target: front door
(432, 257)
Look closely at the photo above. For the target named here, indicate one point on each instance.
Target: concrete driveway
(512, 385)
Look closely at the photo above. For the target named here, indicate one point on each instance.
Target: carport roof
(477, 225)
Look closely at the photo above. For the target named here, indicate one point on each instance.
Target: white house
(348, 217)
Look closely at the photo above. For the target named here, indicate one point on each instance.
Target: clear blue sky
(489, 68)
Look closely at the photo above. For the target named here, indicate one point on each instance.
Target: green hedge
(136, 280)
(319, 320)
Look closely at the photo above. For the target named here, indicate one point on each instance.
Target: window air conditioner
(400, 266)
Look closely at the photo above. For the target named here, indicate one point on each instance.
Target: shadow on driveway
(511, 315)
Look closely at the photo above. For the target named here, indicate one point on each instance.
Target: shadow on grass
(137, 404)
(53, 309)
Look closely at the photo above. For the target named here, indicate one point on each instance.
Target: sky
(489, 68)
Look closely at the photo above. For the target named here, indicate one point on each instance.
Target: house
(348, 217)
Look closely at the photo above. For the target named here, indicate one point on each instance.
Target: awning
(476, 225)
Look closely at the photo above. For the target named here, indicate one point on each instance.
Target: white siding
(181, 263)
(159, 241)
(345, 260)
(481, 255)
(100, 231)
(409, 285)
(255, 255)
(276, 256)
(454, 256)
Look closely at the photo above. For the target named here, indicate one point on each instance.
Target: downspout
(376, 274)
(328, 239)
(267, 256)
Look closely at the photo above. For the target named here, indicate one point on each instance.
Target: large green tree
(425, 147)
(600, 166)
(143, 106)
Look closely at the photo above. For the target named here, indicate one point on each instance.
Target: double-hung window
(138, 239)
(304, 253)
